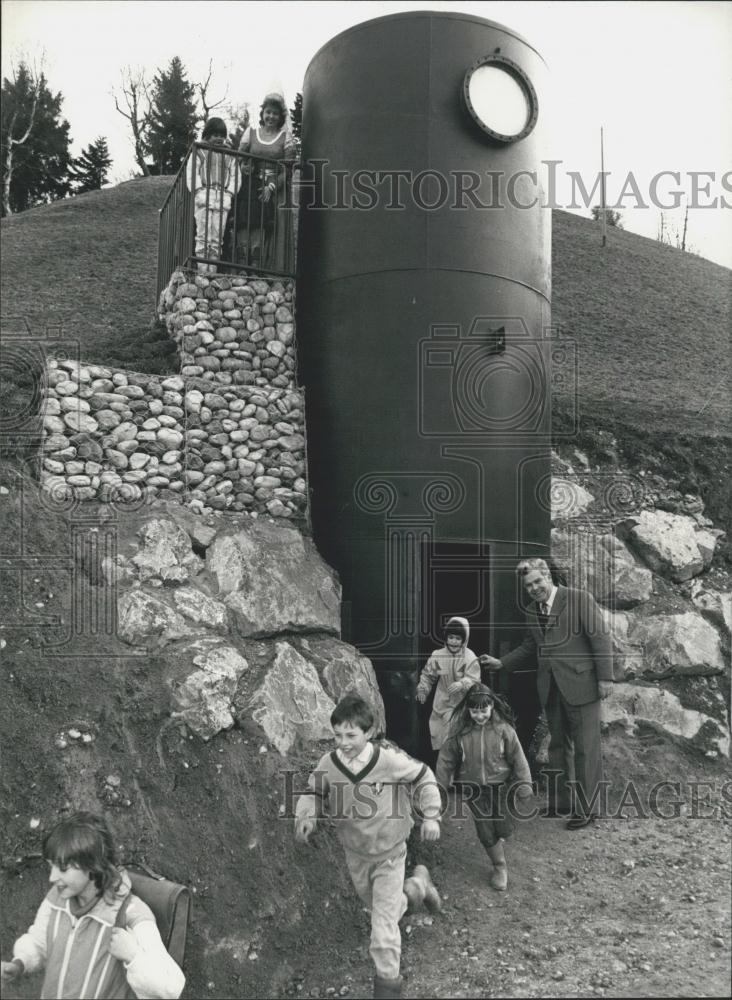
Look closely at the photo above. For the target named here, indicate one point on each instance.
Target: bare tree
(239, 114)
(673, 234)
(202, 89)
(686, 224)
(34, 81)
(136, 109)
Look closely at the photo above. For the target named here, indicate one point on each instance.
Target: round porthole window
(500, 98)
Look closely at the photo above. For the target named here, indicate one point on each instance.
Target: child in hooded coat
(455, 668)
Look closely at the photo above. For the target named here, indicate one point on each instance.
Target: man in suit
(566, 636)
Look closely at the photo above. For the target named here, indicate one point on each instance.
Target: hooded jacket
(74, 951)
(461, 668)
(484, 755)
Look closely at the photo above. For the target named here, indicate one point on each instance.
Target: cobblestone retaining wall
(227, 433)
(232, 330)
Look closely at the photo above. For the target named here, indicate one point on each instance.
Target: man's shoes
(553, 812)
(580, 822)
(499, 878)
(431, 896)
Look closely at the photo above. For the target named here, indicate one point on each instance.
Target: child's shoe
(386, 989)
(430, 895)
(414, 891)
(499, 878)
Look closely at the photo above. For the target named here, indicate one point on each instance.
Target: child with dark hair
(92, 936)
(455, 668)
(368, 790)
(482, 748)
(213, 177)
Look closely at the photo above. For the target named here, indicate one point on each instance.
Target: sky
(656, 76)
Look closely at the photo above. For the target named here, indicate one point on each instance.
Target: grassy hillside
(651, 323)
(89, 263)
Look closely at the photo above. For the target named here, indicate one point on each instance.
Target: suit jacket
(576, 648)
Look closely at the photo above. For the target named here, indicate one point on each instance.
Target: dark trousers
(574, 752)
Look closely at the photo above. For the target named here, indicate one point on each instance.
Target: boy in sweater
(368, 789)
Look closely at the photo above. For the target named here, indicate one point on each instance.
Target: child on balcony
(213, 179)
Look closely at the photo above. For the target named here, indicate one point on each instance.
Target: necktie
(543, 616)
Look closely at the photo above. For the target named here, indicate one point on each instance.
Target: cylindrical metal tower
(425, 349)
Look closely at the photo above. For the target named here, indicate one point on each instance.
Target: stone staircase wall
(227, 433)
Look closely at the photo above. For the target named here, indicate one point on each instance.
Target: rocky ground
(629, 907)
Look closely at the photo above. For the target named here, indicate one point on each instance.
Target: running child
(484, 752)
(368, 789)
(93, 937)
(455, 668)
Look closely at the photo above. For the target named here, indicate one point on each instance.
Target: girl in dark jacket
(483, 752)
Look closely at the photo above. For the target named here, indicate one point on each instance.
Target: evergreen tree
(35, 157)
(173, 118)
(296, 119)
(91, 168)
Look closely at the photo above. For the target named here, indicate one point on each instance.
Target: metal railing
(228, 212)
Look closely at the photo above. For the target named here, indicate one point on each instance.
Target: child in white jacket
(213, 177)
(455, 668)
(91, 935)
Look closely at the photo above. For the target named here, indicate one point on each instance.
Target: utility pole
(686, 223)
(603, 210)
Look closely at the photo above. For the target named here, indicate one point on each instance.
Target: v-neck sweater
(373, 808)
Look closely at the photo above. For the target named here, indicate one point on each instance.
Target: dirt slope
(629, 907)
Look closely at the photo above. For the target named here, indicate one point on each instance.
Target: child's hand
(430, 830)
(455, 688)
(10, 971)
(421, 696)
(122, 945)
(304, 827)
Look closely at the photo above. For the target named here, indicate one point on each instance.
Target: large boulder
(273, 580)
(290, 704)
(568, 499)
(201, 528)
(630, 704)
(675, 644)
(144, 620)
(165, 552)
(117, 569)
(203, 677)
(668, 543)
(201, 609)
(715, 605)
(625, 653)
(602, 564)
(343, 670)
